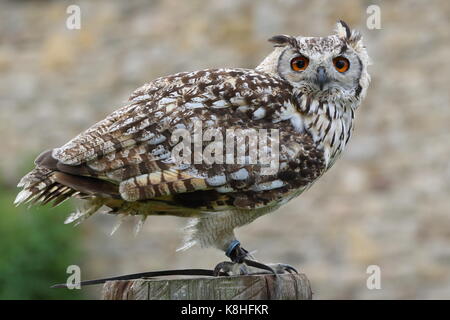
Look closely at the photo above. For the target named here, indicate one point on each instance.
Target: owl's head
(332, 67)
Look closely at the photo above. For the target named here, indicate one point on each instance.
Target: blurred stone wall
(386, 202)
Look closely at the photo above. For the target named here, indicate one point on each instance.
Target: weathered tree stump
(248, 287)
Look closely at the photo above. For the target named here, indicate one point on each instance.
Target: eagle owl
(307, 91)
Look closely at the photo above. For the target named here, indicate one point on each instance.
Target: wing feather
(128, 154)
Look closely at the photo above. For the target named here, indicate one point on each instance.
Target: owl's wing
(128, 155)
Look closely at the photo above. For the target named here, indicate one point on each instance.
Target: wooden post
(248, 287)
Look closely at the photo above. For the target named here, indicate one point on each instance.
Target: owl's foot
(236, 266)
(281, 268)
(230, 268)
(239, 263)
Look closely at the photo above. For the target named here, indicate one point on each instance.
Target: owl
(132, 163)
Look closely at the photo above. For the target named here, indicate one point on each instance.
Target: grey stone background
(386, 202)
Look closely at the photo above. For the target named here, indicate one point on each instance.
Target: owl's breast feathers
(125, 161)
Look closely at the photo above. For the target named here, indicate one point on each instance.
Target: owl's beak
(322, 77)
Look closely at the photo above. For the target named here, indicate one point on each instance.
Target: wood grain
(248, 287)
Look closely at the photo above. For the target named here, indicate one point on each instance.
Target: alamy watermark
(73, 21)
(74, 280)
(374, 279)
(217, 145)
(374, 17)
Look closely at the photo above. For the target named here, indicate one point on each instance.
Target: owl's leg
(240, 261)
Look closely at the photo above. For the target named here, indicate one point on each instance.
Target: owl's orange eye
(299, 63)
(341, 64)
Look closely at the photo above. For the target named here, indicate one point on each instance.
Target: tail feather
(59, 192)
(40, 186)
(36, 185)
(64, 196)
(45, 185)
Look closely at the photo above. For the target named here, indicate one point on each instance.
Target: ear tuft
(282, 40)
(352, 37)
(343, 30)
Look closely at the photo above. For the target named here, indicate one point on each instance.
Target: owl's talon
(281, 268)
(224, 266)
(237, 265)
(291, 269)
(239, 255)
(230, 268)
